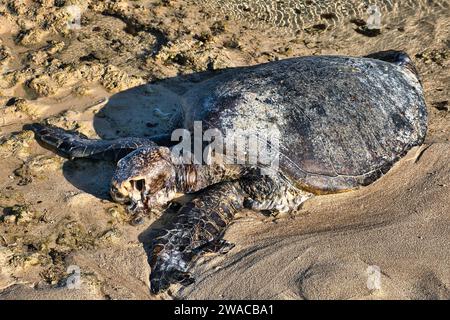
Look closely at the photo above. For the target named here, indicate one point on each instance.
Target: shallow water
(297, 14)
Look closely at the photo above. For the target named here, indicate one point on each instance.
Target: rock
(440, 105)
(23, 213)
(17, 7)
(232, 43)
(91, 72)
(115, 80)
(81, 90)
(38, 57)
(9, 219)
(32, 260)
(16, 144)
(218, 27)
(118, 213)
(55, 46)
(38, 167)
(5, 54)
(26, 260)
(437, 56)
(43, 86)
(112, 235)
(31, 37)
(20, 214)
(364, 30)
(71, 120)
(24, 106)
(74, 236)
(317, 28)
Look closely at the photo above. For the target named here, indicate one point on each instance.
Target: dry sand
(57, 213)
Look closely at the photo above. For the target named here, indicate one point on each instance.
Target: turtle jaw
(138, 198)
(129, 194)
(121, 192)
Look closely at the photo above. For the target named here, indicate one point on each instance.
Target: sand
(56, 213)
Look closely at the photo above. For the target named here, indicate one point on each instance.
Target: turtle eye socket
(139, 184)
(118, 196)
(114, 189)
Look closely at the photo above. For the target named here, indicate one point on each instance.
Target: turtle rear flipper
(399, 58)
(160, 281)
(73, 145)
(169, 266)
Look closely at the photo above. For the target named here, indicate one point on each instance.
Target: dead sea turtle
(342, 123)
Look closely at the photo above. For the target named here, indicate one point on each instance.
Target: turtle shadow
(90, 176)
(142, 111)
(146, 110)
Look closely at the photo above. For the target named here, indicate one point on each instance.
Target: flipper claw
(220, 246)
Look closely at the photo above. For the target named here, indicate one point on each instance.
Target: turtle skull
(144, 179)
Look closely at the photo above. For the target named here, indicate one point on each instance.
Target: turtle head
(144, 179)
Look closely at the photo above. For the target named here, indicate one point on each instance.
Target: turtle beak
(126, 190)
(135, 206)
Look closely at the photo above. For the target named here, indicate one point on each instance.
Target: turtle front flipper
(197, 228)
(73, 145)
